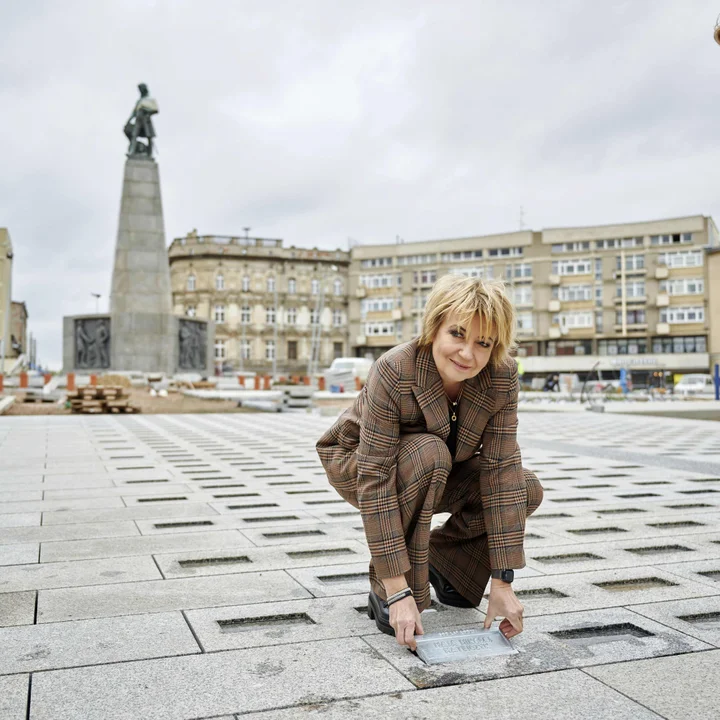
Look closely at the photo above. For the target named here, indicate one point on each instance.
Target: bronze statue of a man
(139, 126)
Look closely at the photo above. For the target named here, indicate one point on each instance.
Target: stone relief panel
(192, 344)
(92, 343)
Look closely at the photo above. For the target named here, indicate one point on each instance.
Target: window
(191, 283)
(245, 315)
(245, 349)
(460, 256)
(618, 242)
(425, 277)
(380, 281)
(634, 317)
(337, 317)
(598, 269)
(682, 314)
(523, 295)
(269, 349)
(505, 252)
(632, 262)
(291, 316)
(271, 284)
(219, 349)
(686, 344)
(683, 258)
(219, 281)
(245, 283)
(269, 315)
(573, 266)
(315, 287)
(629, 346)
(598, 296)
(569, 347)
(571, 246)
(337, 350)
(292, 286)
(473, 272)
(191, 311)
(675, 239)
(598, 321)
(426, 259)
(525, 322)
(376, 304)
(292, 350)
(572, 293)
(571, 320)
(518, 271)
(338, 287)
(683, 286)
(219, 314)
(377, 262)
(380, 328)
(314, 317)
(633, 289)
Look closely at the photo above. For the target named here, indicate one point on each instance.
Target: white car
(695, 384)
(343, 371)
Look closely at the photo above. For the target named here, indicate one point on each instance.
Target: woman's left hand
(503, 603)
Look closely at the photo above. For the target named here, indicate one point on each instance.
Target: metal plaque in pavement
(458, 645)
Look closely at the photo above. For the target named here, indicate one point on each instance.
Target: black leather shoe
(379, 611)
(445, 592)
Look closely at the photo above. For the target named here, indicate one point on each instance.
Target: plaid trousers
(428, 482)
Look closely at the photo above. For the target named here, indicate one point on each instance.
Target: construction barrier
(241, 380)
(47, 377)
(93, 379)
(71, 382)
(257, 382)
(321, 383)
(23, 380)
(306, 380)
(358, 384)
(266, 382)
(2, 382)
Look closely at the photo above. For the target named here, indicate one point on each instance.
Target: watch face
(507, 576)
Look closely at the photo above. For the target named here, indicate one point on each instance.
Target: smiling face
(461, 353)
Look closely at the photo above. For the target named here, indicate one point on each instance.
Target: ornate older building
(271, 305)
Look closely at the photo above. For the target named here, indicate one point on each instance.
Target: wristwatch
(505, 575)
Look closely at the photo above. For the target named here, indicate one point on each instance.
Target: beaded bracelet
(407, 592)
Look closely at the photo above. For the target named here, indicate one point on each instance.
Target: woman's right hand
(405, 620)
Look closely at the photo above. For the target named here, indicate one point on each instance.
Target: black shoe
(445, 592)
(379, 611)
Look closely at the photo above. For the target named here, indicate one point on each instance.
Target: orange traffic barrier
(321, 383)
(306, 380)
(257, 382)
(23, 379)
(295, 380)
(266, 382)
(241, 380)
(358, 384)
(93, 379)
(71, 381)
(2, 382)
(47, 377)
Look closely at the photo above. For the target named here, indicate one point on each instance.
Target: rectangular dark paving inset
(293, 533)
(200, 562)
(685, 506)
(676, 524)
(161, 499)
(250, 506)
(596, 531)
(252, 623)
(659, 550)
(540, 594)
(239, 494)
(619, 511)
(711, 574)
(705, 621)
(601, 634)
(346, 577)
(299, 554)
(291, 482)
(551, 516)
(574, 499)
(270, 518)
(568, 557)
(629, 496)
(632, 584)
(189, 523)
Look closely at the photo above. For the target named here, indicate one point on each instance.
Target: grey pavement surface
(196, 567)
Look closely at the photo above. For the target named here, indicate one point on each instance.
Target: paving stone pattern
(197, 567)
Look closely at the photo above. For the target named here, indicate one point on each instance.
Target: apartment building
(271, 305)
(633, 296)
(6, 260)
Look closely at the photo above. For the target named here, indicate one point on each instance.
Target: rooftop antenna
(247, 231)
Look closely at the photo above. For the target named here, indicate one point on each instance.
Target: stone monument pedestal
(140, 333)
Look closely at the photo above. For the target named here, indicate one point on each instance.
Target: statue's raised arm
(139, 128)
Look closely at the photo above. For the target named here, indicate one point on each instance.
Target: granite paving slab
(8, 520)
(697, 617)
(140, 545)
(94, 642)
(197, 686)
(140, 512)
(77, 573)
(79, 531)
(165, 595)
(17, 608)
(556, 642)
(563, 695)
(19, 554)
(14, 697)
(677, 688)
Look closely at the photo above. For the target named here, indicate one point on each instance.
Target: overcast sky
(322, 121)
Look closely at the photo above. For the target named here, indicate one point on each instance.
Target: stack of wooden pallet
(92, 399)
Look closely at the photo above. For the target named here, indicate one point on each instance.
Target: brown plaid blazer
(404, 394)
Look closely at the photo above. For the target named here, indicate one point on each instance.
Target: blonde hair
(466, 297)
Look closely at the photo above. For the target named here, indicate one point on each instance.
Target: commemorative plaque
(459, 645)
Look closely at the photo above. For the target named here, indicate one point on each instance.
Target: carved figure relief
(92, 343)
(192, 341)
